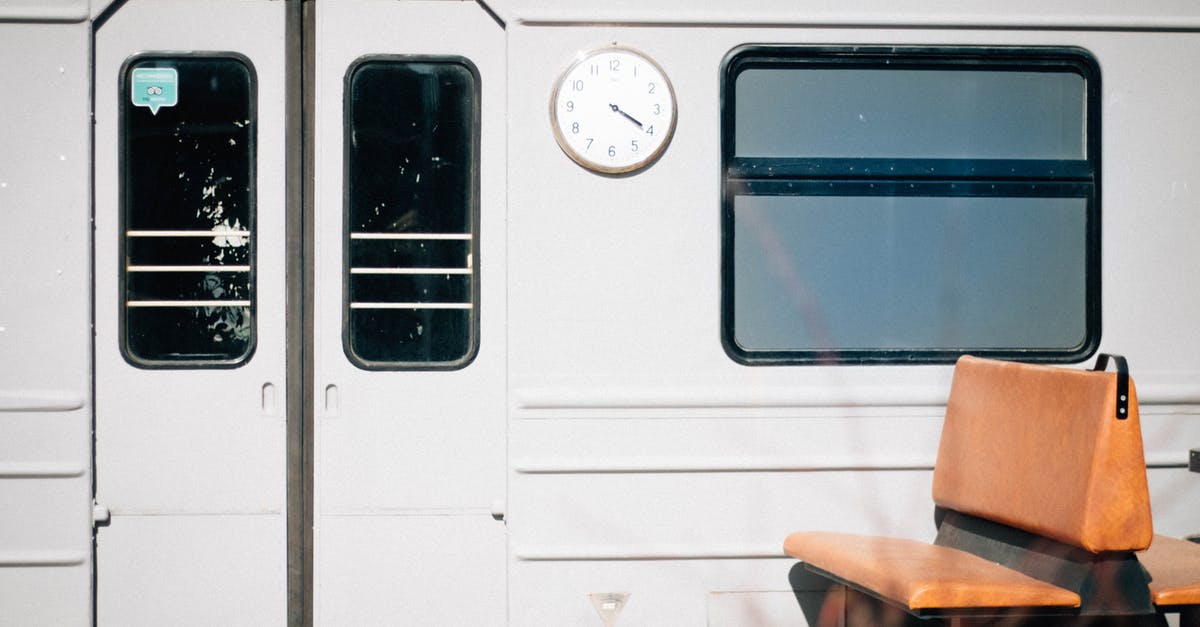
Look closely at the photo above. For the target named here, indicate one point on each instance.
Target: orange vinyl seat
(1040, 486)
(920, 576)
(1174, 567)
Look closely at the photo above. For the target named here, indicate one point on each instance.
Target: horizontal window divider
(410, 270)
(187, 303)
(411, 305)
(188, 233)
(908, 187)
(187, 269)
(412, 236)
(938, 169)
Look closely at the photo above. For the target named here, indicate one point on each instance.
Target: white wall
(640, 453)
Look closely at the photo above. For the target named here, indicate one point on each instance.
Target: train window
(187, 129)
(901, 205)
(412, 207)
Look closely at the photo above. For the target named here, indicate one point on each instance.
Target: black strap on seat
(1122, 381)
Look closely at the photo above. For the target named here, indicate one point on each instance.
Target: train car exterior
(435, 312)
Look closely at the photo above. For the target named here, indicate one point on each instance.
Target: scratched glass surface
(189, 216)
(410, 171)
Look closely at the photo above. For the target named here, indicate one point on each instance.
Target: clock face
(613, 111)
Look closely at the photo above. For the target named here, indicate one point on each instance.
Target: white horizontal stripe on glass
(410, 305)
(412, 236)
(187, 303)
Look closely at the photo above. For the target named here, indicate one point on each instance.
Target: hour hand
(617, 109)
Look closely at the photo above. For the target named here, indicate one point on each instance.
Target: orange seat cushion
(1040, 448)
(919, 576)
(1174, 567)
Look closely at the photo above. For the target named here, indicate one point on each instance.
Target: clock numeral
(657, 108)
(577, 85)
(575, 128)
(589, 141)
(651, 88)
(571, 106)
(650, 130)
(614, 65)
(633, 145)
(595, 69)
(612, 151)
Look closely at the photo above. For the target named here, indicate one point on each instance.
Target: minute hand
(617, 109)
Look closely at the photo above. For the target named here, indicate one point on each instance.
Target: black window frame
(125, 201)
(1030, 178)
(473, 214)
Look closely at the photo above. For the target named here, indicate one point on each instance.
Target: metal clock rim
(561, 140)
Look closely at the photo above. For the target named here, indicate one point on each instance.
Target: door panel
(190, 455)
(190, 447)
(409, 456)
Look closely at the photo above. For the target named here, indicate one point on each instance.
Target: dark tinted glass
(412, 197)
(187, 279)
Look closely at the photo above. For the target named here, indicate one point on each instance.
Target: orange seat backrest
(1040, 448)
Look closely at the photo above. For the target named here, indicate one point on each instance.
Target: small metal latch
(100, 515)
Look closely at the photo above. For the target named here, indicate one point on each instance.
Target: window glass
(910, 113)
(412, 260)
(187, 167)
(893, 272)
(910, 204)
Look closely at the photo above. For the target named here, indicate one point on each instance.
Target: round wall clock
(613, 111)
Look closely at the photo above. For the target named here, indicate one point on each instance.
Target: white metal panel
(191, 461)
(420, 569)
(635, 297)
(201, 570)
(408, 464)
(639, 447)
(45, 400)
(869, 13)
(44, 10)
(674, 515)
(735, 609)
(662, 592)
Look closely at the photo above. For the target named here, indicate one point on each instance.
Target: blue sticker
(154, 88)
